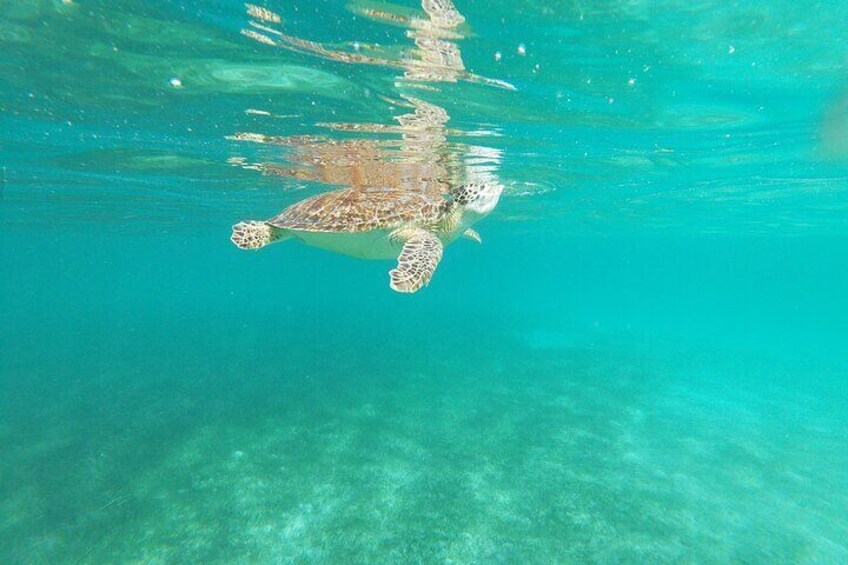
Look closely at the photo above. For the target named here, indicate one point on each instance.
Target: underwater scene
(423, 281)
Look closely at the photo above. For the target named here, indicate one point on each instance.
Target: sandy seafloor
(157, 429)
(644, 362)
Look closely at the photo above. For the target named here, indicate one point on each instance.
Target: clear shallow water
(643, 361)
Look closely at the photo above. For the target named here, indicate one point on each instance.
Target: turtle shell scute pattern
(361, 210)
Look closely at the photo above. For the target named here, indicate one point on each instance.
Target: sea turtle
(413, 226)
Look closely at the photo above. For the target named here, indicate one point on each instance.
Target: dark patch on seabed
(519, 450)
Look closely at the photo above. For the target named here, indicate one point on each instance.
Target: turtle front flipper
(472, 235)
(417, 261)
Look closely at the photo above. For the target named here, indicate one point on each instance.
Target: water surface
(643, 361)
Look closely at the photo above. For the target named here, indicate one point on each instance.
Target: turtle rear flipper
(255, 235)
(417, 261)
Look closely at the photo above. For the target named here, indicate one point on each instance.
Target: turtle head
(478, 198)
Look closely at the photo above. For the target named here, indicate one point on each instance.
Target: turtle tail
(254, 235)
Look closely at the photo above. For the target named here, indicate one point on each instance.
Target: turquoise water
(643, 362)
